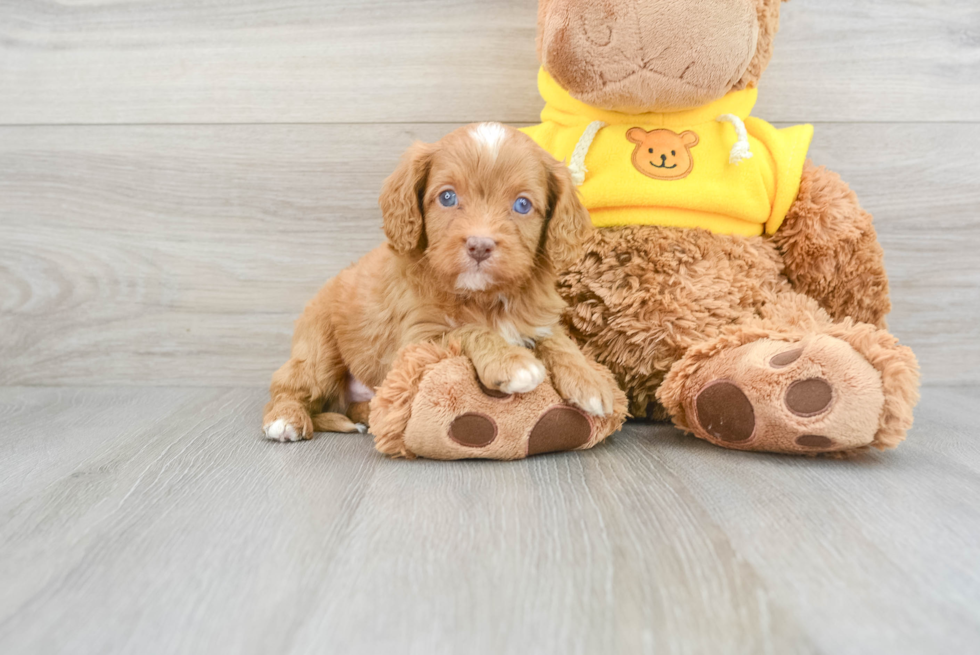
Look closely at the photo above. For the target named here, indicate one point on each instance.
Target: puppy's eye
(448, 198)
(522, 206)
(673, 154)
(651, 151)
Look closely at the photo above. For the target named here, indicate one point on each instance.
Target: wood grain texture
(182, 255)
(158, 521)
(260, 61)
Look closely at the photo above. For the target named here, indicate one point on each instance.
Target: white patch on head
(525, 379)
(357, 391)
(281, 431)
(472, 281)
(490, 136)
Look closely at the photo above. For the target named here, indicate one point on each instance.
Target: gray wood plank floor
(158, 521)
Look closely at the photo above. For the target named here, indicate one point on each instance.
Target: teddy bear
(732, 286)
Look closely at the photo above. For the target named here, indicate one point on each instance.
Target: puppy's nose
(663, 159)
(480, 248)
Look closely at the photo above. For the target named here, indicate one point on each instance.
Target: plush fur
(433, 283)
(674, 311)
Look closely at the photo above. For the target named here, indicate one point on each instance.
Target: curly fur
(641, 296)
(831, 250)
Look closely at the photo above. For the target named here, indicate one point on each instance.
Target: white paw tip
(279, 430)
(361, 428)
(525, 379)
(594, 406)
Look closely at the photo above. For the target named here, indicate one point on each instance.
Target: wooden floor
(159, 521)
(177, 178)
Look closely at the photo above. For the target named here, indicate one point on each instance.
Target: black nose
(663, 159)
(480, 248)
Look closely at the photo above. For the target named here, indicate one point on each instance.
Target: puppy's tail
(331, 422)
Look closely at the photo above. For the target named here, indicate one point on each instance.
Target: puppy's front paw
(517, 373)
(287, 422)
(280, 430)
(585, 388)
(525, 379)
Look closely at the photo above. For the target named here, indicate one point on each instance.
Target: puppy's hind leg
(332, 422)
(314, 374)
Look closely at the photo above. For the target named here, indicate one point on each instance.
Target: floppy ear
(636, 135)
(568, 222)
(402, 197)
(690, 139)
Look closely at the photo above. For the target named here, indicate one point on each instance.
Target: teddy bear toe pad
(811, 397)
(725, 412)
(473, 430)
(560, 428)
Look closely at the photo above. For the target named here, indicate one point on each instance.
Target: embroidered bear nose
(480, 248)
(663, 159)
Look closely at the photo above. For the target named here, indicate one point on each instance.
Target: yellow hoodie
(713, 167)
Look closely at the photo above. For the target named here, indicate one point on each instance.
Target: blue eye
(447, 198)
(522, 206)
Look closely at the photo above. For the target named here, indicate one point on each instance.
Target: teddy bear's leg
(641, 296)
(831, 250)
(432, 405)
(793, 381)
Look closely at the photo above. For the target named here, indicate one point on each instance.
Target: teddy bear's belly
(640, 296)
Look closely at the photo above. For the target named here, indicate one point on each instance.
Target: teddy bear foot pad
(433, 405)
(816, 396)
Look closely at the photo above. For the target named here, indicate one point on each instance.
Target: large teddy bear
(732, 286)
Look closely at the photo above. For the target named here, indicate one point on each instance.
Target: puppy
(478, 224)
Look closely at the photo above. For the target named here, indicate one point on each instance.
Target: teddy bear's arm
(831, 250)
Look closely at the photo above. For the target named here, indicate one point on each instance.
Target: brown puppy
(478, 226)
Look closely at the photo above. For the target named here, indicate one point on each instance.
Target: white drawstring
(741, 149)
(577, 164)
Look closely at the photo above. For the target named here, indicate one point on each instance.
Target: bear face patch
(663, 154)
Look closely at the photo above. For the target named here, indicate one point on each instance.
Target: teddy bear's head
(638, 56)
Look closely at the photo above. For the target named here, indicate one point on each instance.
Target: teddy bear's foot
(817, 394)
(432, 405)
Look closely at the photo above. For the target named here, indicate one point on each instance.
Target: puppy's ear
(402, 197)
(568, 221)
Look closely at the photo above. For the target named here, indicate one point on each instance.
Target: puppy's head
(486, 206)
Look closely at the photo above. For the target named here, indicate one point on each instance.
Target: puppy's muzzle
(480, 248)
